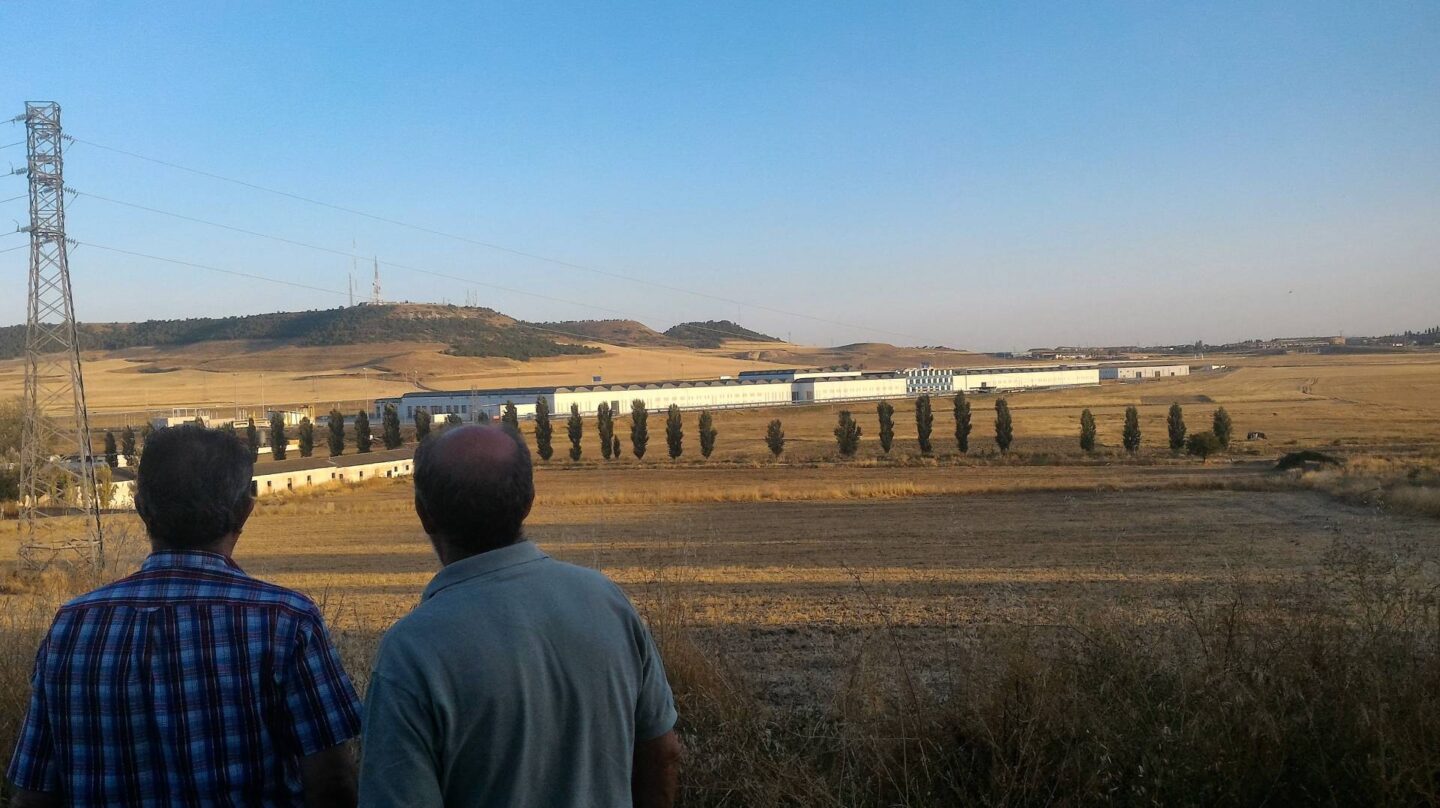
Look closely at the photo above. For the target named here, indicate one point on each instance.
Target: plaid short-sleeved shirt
(187, 683)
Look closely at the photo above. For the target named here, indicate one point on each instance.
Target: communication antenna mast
(53, 483)
(375, 288)
(354, 266)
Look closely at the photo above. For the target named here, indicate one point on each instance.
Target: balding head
(473, 489)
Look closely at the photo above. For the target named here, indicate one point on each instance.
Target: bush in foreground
(1202, 445)
(1325, 691)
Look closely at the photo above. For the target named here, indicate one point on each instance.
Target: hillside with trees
(612, 332)
(712, 333)
(466, 331)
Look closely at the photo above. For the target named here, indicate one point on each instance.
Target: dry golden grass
(1046, 627)
(938, 634)
(219, 374)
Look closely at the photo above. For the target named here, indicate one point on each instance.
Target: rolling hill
(713, 333)
(465, 331)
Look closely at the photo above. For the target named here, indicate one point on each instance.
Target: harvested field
(1047, 626)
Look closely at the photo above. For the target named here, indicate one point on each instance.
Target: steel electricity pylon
(57, 465)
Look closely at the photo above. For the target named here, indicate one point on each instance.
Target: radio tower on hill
(57, 466)
(375, 288)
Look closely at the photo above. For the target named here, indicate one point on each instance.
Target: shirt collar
(189, 559)
(521, 552)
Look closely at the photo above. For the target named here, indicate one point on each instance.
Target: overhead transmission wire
(349, 254)
(293, 284)
(486, 244)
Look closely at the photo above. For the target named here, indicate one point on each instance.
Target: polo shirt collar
(521, 552)
(189, 559)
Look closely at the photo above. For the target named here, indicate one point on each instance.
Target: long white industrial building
(762, 388)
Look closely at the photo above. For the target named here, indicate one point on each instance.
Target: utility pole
(50, 484)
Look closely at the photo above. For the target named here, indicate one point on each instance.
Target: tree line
(848, 432)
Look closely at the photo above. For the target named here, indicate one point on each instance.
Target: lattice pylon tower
(59, 505)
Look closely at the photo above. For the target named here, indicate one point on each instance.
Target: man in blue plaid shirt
(189, 682)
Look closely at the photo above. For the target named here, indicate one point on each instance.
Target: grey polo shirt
(518, 681)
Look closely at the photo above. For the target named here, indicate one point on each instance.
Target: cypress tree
(390, 427)
(279, 442)
(1087, 431)
(886, 413)
(112, 452)
(775, 438)
(337, 433)
(422, 424)
(674, 432)
(615, 446)
(605, 427)
(962, 423)
(1131, 436)
(575, 430)
(542, 428)
(1222, 428)
(639, 428)
(924, 422)
(1004, 429)
(306, 437)
(363, 439)
(707, 434)
(229, 429)
(127, 444)
(252, 439)
(847, 434)
(1175, 425)
(511, 416)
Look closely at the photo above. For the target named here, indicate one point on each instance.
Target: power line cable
(268, 279)
(350, 254)
(16, 247)
(209, 268)
(486, 244)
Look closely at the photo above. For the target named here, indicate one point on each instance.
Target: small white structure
(982, 380)
(1132, 372)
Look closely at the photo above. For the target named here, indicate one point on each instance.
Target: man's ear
(425, 521)
(242, 513)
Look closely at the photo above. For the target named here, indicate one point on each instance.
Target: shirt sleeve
(32, 767)
(324, 710)
(655, 708)
(398, 765)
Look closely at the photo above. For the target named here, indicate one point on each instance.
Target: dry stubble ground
(1013, 632)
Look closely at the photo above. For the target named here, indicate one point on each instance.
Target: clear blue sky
(991, 176)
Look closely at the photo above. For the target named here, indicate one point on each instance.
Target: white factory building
(1128, 372)
(765, 388)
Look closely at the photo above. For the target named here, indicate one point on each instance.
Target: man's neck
(224, 547)
(450, 553)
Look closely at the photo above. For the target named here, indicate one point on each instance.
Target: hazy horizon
(982, 178)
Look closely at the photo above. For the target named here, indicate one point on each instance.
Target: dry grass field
(1043, 628)
(222, 374)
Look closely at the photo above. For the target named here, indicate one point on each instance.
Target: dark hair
(192, 485)
(476, 505)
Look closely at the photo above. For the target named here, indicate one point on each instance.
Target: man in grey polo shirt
(518, 680)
